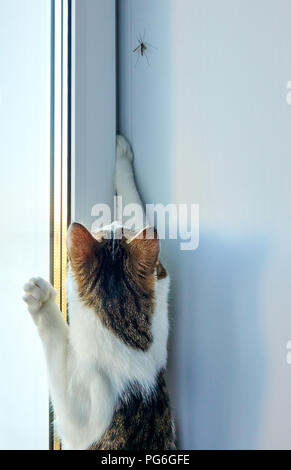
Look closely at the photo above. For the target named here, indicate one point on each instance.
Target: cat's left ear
(145, 249)
(81, 244)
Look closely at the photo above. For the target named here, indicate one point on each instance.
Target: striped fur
(140, 423)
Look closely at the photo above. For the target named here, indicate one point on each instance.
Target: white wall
(209, 124)
(24, 209)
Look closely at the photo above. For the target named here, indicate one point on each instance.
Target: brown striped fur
(116, 277)
(141, 423)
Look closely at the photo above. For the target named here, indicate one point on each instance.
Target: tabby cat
(107, 368)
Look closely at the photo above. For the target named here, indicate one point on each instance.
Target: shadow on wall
(216, 366)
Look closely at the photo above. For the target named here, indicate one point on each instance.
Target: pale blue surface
(209, 124)
(24, 209)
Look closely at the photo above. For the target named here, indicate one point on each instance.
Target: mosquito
(142, 48)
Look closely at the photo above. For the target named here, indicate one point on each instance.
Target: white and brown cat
(107, 368)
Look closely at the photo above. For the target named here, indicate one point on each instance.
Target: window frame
(61, 27)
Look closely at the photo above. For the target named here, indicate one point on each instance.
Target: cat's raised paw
(37, 293)
(123, 149)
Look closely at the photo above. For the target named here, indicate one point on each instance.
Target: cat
(107, 367)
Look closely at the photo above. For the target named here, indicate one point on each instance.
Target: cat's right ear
(81, 245)
(145, 248)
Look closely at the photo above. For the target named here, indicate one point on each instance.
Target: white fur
(124, 179)
(88, 366)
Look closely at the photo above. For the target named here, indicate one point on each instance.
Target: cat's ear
(145, 249)
(81, 245)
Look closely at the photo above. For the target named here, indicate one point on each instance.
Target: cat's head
(115, 272)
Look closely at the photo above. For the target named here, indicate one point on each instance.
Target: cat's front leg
(125, 185)
(40, 298)
(81, 397)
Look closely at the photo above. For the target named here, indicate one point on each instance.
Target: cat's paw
(123, 149)
(38, 293)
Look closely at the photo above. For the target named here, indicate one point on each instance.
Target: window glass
(24, 208)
